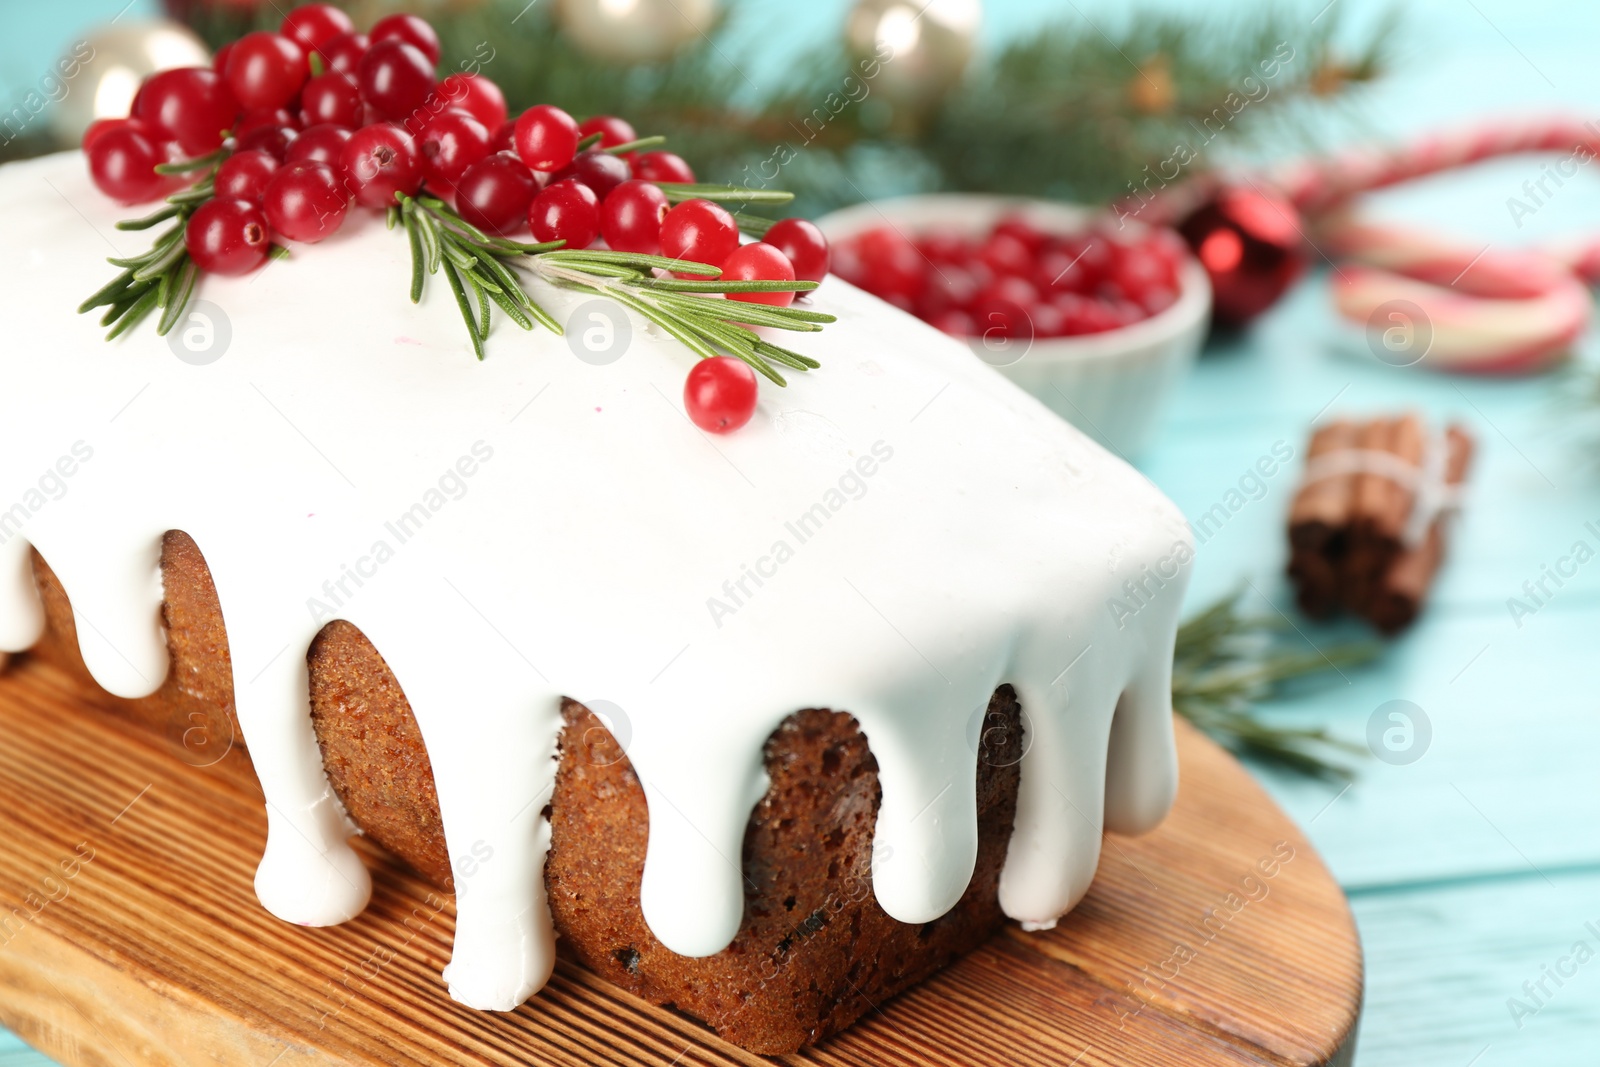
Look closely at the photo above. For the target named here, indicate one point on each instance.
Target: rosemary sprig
(163, 277)
(1227, 661)
(481, 270)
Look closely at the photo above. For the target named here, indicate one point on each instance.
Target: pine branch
(1227, 662)
(1062, 112)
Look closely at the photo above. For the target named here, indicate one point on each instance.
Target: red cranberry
(661, 167)
(1021, 229)
(122, 163)
(600, 171)
(955, 322)
(505, 139)
(318, 144)
(945, 248)
(396, 78)
(950, 288)
(379, 161)
(103, 126)
(227, 237)
(305, 202)
(700, 232)
(191, 104)
(343, 53)
(759, 262)
(273, 140)
(612, 130)
(244, 175)
(720, 394)
(891, 264)
(265, 70)
(1005, 254)
(494, 194)
(313, 25)
(630, 218)
(546, 137)
(411, 30)
(331, 98)
(450, 142)
(261, 118)
(566, 211)
(803, 245)
(474, 94)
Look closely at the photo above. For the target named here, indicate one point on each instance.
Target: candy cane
(1461, 309)
(1485, 311)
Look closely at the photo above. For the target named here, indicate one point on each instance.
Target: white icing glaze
(962, 537)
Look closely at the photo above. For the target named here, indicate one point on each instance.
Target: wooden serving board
(130, 936)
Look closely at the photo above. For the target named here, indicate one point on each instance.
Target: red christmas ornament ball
(1250, 244)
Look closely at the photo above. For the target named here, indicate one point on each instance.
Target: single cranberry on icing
(720, 394)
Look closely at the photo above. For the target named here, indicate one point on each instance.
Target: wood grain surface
(130, 935)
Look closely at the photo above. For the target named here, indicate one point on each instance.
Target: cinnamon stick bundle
(1356, 537)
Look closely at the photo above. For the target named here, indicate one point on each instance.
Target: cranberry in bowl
(1100, 322)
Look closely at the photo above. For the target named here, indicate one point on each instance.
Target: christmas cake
(765, 725)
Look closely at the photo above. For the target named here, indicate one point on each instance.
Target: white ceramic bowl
(1111, 385)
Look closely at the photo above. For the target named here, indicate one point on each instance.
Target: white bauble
(635, 31)
(924, 47)
(107, 65)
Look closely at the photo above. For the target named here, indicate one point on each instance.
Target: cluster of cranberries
(319, 116)
(1016, 280)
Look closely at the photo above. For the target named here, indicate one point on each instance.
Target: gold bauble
(922, 47)
(635, 31)
(103, 69)
(1151, 89)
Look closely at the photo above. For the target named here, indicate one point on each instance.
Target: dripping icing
(578, 560)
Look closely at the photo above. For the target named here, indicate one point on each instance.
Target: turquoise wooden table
(1475, 869)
